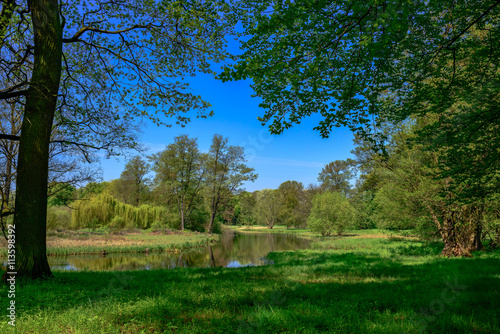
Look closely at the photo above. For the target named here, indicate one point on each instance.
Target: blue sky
(297, 154)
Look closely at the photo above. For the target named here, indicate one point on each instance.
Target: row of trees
(354, 63)
(397, 189)
(189, 188)
(404, 189)
(427, 68)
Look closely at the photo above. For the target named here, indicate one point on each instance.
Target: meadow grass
(86, 241)
(350, 284)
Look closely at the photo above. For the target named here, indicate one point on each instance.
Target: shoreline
(80, 242)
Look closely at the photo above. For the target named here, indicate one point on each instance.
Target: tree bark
(32, 171)
(461, 231)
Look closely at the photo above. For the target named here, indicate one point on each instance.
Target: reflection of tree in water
(244, 248)
(250, 248)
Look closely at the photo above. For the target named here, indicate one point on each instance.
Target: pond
(233, 251)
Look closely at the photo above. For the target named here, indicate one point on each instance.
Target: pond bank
(69, 242)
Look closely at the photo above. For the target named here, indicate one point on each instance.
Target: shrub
(331, 213)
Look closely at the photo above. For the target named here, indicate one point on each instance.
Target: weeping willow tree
(105, 210)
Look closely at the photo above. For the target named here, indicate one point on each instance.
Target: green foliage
(331, 212)
(294, 209)
(362, 201)
(105, 210)
(61, 194)
(92, 189)
(245, 209)
(225, 173)
(58, 217)
(180, 171)
(336, 175)
(268, 207)
(198, 218)
(132, 186)
(339, 58)
(362, 64)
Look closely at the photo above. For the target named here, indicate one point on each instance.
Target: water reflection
(233, 251)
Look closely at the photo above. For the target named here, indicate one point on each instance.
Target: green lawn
(359, 283)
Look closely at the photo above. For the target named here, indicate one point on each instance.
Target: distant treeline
(183, 188)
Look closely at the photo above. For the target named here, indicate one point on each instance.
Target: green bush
(331, 213)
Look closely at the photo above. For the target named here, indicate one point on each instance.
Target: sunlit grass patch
(343, 285)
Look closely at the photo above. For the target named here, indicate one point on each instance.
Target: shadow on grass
(305, 292)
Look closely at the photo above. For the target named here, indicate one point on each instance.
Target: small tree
(331, 212)
(294, 210)
(269, 204)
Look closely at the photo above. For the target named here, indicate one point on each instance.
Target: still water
(233, 250)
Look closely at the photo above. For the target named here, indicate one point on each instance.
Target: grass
(86, 241)
(307, 233)
(359, 283)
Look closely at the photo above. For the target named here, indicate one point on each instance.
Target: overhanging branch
(9, 137)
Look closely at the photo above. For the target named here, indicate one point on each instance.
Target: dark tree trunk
(478, 245)
(212, 219)
(461, 231)
(32, 171)
(213, 212)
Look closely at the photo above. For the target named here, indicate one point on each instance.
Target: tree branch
(10, 94)
(76, 36)
(450, 43)
(9, 137)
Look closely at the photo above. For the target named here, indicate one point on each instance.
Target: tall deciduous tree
(268, 207)
(132, 184)
(226, 172)
(336, 175)
(91, 67)
(360, 64)
(294, 209)
(337, 58)
(180, 167)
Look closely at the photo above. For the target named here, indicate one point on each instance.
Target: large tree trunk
(461, 231)
(32, 171)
